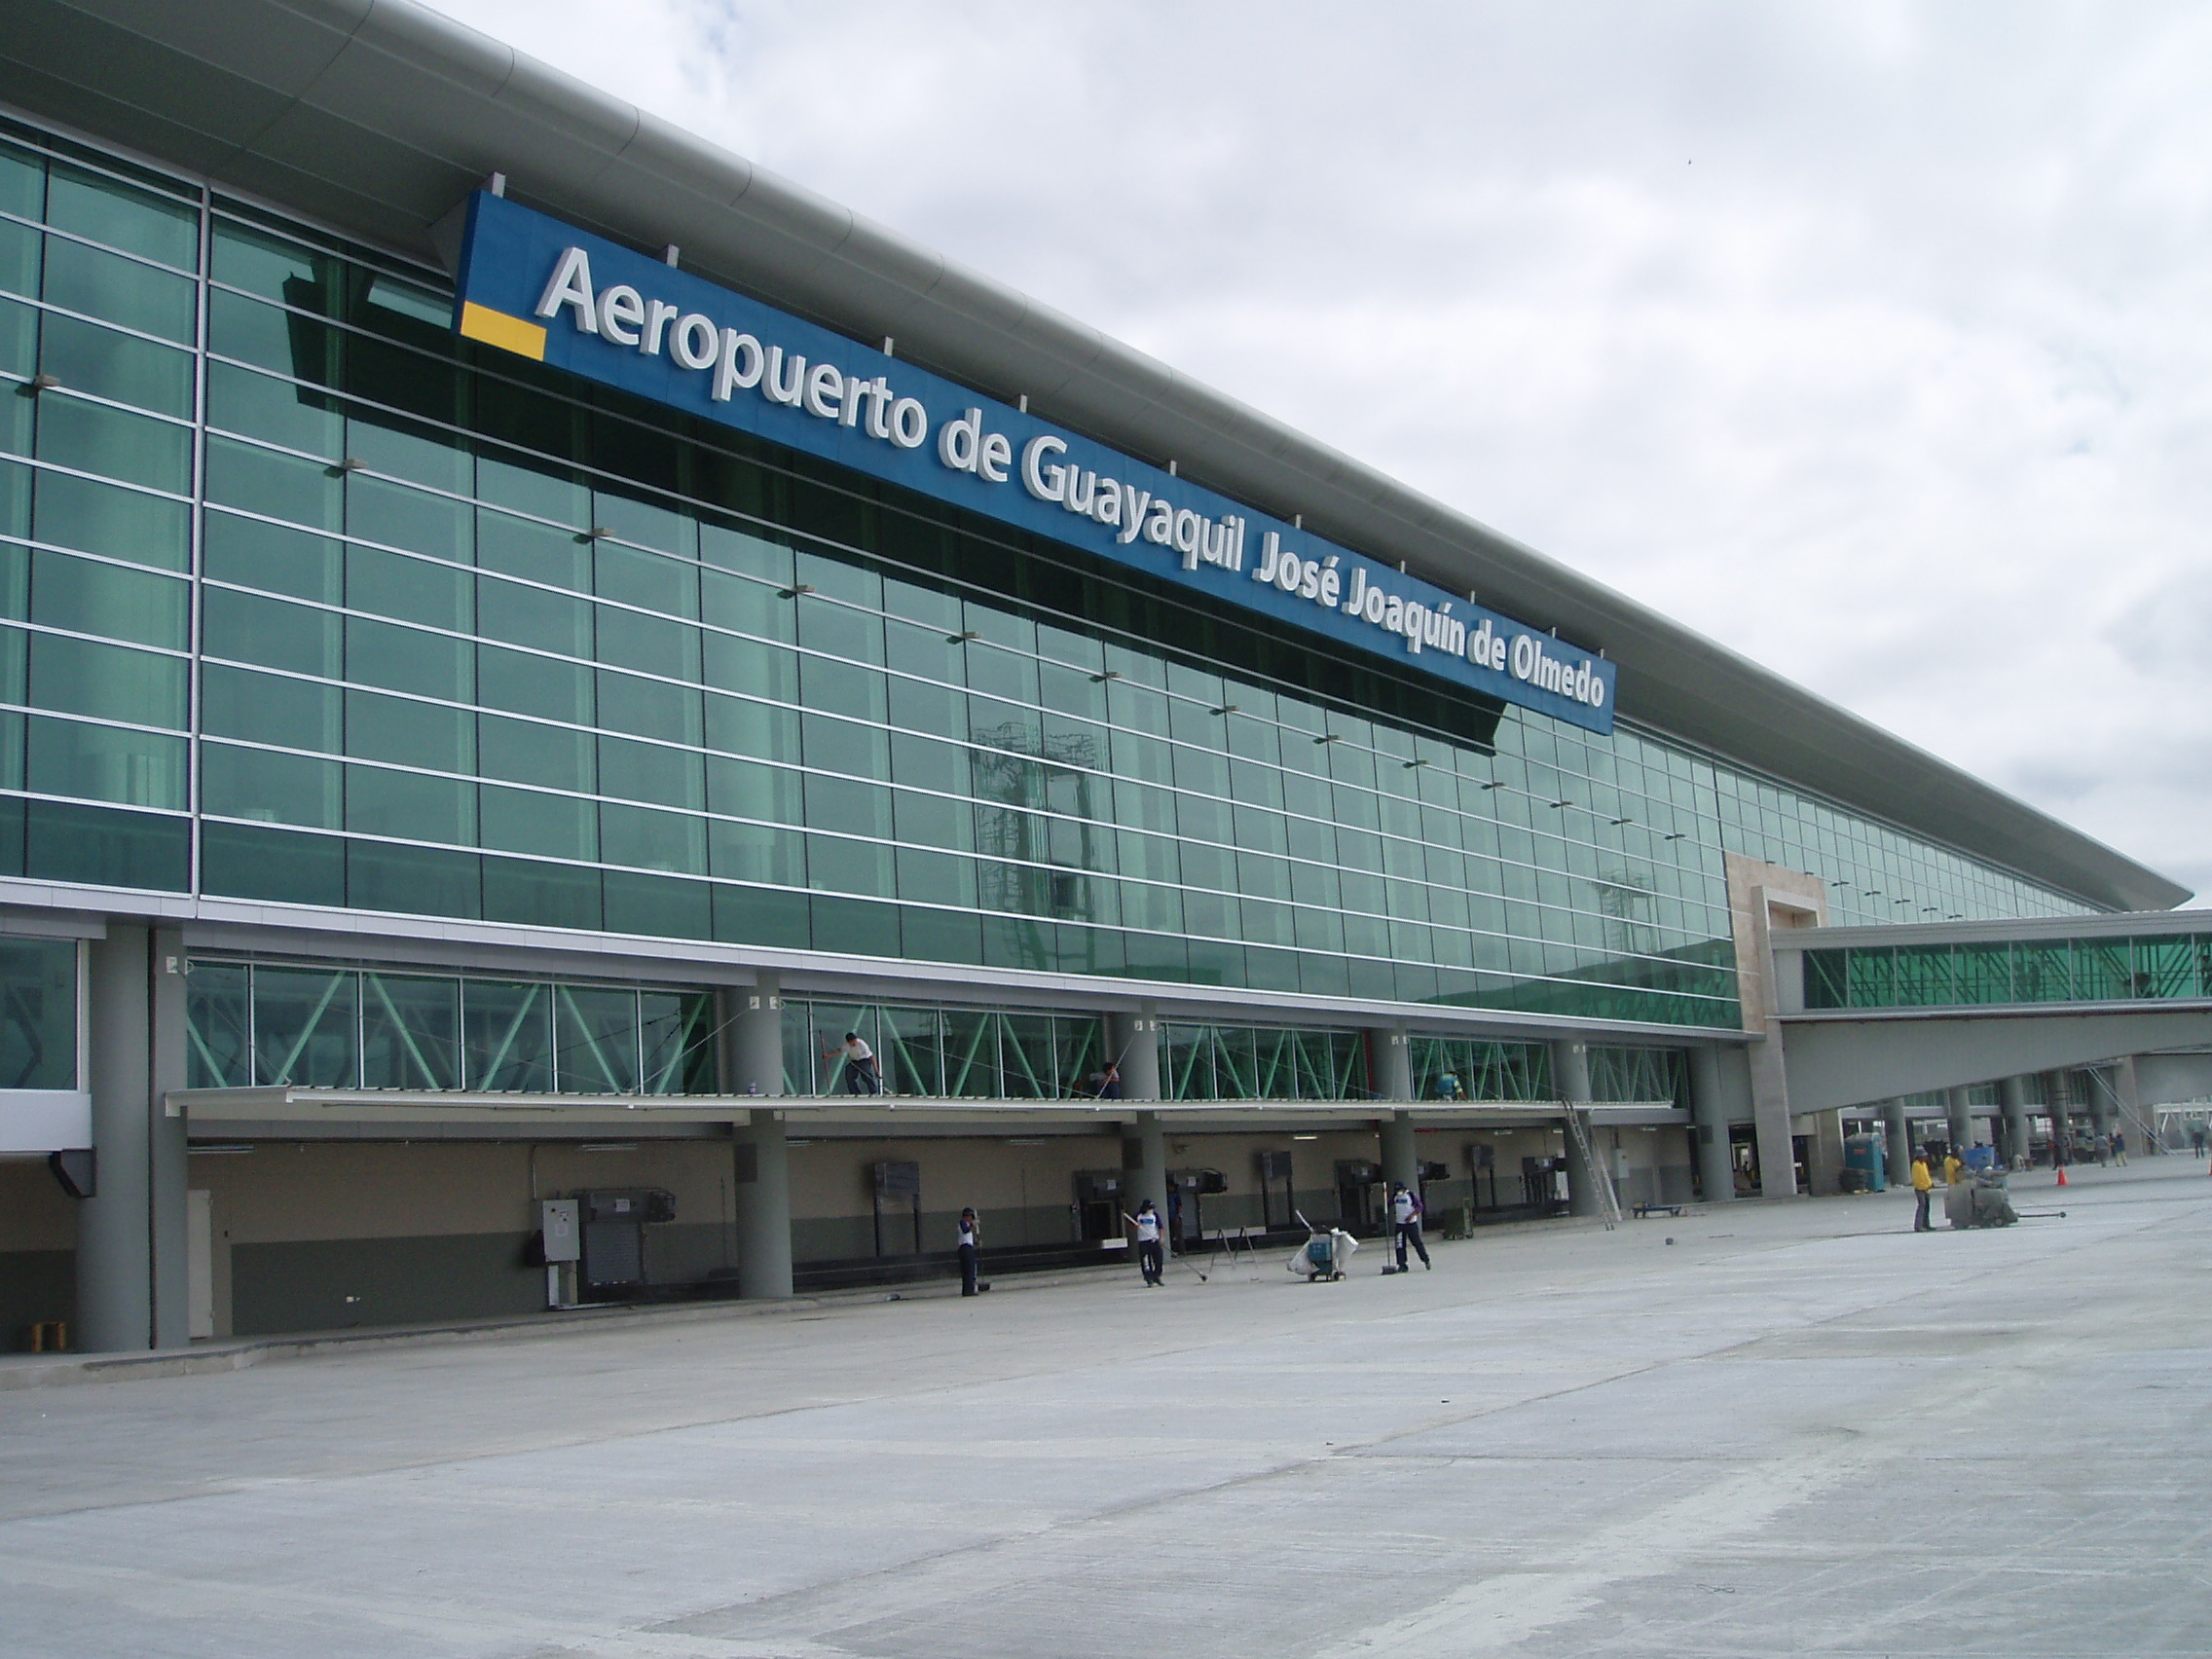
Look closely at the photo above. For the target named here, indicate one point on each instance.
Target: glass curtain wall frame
(1355, 854)
(99, 339)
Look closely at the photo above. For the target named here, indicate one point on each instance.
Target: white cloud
(1868, 339)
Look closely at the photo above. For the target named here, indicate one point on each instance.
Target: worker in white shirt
(861, 1074)
(969, 1233)
(1405, 1210)
(1151, 1255)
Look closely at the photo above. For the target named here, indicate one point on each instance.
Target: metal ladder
(1609, 1201)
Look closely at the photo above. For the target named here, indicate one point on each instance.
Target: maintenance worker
(1953, 1167)
(861, 1074)
(1923, 1183)
(1150, 1256)
(968, 1234)
(1405, 1210)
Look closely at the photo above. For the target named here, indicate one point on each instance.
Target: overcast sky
(1873, 340)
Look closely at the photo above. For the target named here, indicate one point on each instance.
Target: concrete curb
(61, 1370)
(64, 1370)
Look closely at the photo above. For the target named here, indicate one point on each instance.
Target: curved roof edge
(379, 115)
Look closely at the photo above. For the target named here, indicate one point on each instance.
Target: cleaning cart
(1323, 1255)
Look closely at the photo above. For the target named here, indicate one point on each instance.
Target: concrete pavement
(1798, 1428)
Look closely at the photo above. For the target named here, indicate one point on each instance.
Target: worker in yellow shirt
(1922, 1184)
(1953, 1167)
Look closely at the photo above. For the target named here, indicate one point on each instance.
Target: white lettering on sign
(736, 362)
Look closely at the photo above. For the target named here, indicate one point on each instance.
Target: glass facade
(258, 1024)
(305, 599)
(2164, 967)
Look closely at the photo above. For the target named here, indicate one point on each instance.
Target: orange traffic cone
(2062, 1174)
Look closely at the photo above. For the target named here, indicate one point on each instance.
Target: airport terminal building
(523, 631)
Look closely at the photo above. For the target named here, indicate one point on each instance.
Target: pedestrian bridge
(1867, 1014)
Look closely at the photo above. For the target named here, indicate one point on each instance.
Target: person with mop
(1405, 1211)
(1151, 1254)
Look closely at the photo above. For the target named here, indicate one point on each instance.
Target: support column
(1896, 1151)
(753, 1064)
(1958, 1120)
(128, 1262)
(1401, 1162)
(764, 1192)
(1715, 1171)
(1147, 1178)
(2058, 1098)
(1133, 1043)
(2013, 1107)
(1571, 1075)
(166, 1142)
(752, 1044)
(1392, 1057)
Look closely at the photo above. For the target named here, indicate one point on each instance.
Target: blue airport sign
(534, 285)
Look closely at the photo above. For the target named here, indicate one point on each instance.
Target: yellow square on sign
(496, 328)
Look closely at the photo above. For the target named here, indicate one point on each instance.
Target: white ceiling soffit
(379, 115)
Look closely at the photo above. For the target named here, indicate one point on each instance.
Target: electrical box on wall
(557, 1221)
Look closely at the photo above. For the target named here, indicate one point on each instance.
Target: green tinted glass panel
(534, 616)
(420, 881)
(254, 553)
(265, 336)
(93, 517)
(86, 597)
(247, 861)
(114, 289)
(409, 660)
(38, 1014)
(412, 590)
(269, 788)
(305, 1024)
(275, 411)
(23, 182)
(675, 1033)
(410, 806)
(276, 486)
(114, 443)
(122, 215)
(270, 632)
(262, 264)
(524, 752)
(544, 825)
(400, 516)
(418, 455)
(410, 1032)
(82, 676)
(534, 685)
(595, 1040)
(261, 708)
(132, 768)
(218, 1026)
(409, 733)
(507, 1036)
(124, 367)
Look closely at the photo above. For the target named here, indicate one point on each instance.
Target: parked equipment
(1323, 1255)
(614, 1223)
(1979, 1198)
